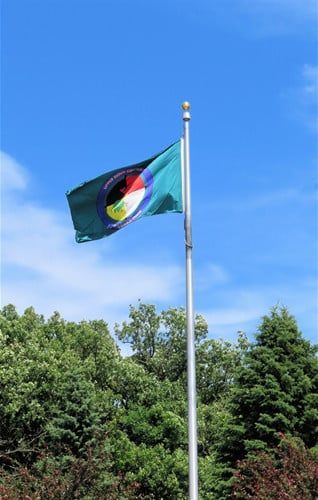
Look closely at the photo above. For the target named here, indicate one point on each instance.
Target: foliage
(217, 364)
(78, 420)
(275, 391)
(159, 340)
(289, 472)
(88, 477)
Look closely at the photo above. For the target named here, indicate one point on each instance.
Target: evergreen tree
(275, 391)
(79, 420)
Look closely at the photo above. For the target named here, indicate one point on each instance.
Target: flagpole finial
(186, 111)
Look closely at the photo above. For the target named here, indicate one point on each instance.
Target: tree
(51, 376)
(217, 364)
(275, 391)
(142, 332)
(289, 472)
(79, 421)
(158, 341)
(55, 402)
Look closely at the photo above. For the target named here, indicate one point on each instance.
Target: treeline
(78, 420)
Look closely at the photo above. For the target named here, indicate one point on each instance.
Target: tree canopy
(79, 420)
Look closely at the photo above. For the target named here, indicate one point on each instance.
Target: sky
(91, 85)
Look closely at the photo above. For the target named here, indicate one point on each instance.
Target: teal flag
(113, 200)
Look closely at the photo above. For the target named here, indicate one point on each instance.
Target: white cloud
(242, 309)
(267, 199)
(258, 18)
(218, 274)
(211, 275)
(224, 317)
(236, 309)
(310, 75)
(44, 267)
(13, 175)
(279, 17)
(302, 99)
(308, 96)
(303, 8)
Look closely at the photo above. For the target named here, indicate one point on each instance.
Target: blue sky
(91, 85)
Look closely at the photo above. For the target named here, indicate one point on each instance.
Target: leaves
(77, 420)
(289, 472)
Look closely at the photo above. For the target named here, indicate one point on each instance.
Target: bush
(289, 473)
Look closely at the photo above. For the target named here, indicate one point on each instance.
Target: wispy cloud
(235, 309)
(302, 8)
(309, 96)
(302, 100)
(265, 199)
(279, 17)
(13, 176)
(242, 308)
(211, 275)
(43, 267)
(259, 18)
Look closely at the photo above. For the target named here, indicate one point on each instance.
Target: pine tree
(275, 392)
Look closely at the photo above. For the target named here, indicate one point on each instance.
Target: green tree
(158, 341)
(55, 400)
(275, 391)
(79, 420)
(217, 364)
(51, 377)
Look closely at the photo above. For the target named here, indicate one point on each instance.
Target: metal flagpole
(192, 404)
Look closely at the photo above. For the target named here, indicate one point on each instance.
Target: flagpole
(192, 405)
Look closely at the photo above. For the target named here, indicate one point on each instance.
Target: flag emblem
(113, 200)
(124, 197)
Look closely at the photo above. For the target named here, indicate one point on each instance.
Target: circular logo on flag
(124, 197)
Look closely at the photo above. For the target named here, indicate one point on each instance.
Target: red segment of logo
(133, 183)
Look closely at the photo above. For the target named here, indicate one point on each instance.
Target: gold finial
(186, 105)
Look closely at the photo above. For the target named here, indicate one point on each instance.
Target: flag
(104, 205)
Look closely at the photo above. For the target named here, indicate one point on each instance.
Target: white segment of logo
(132, 200)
